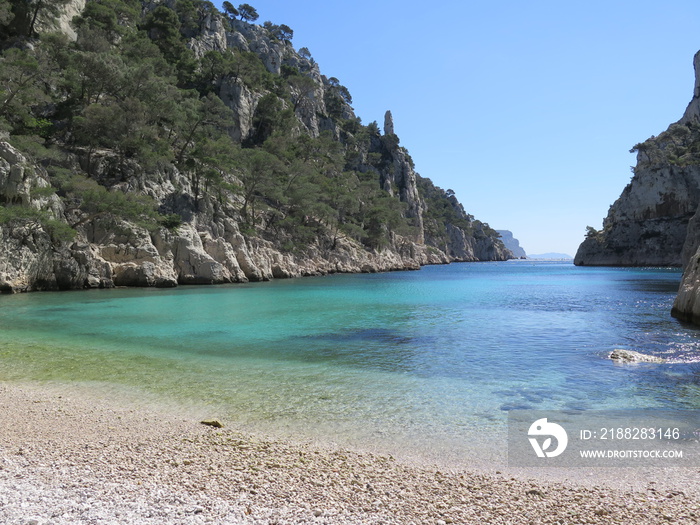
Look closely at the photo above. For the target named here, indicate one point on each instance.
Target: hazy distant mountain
(512, 243)
(550, 256)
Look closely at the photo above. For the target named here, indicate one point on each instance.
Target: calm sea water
(421, 361)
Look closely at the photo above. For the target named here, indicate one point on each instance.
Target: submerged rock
(630, 356)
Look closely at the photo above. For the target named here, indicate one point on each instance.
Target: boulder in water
(629, 356)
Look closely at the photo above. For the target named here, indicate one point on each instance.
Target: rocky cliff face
(211, 245)
(686, 307)
(208, 250)
(648, 224)
(656, 220)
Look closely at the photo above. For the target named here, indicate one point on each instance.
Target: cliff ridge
(167, 143)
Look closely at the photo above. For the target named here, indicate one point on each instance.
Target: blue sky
(527, 110)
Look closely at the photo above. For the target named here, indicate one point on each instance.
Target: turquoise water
(409, 359)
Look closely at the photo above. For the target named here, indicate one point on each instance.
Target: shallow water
(426, 362)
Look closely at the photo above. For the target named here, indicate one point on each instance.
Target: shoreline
(78, 454)
(186, 285)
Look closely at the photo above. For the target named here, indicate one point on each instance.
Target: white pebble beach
(73, 456)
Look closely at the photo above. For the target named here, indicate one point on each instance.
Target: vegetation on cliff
(143, 91)
(679, 146)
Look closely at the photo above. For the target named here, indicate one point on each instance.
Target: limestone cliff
(280, 109)
(210, 249)
(648, 224)
(656, 220)
(686, 307)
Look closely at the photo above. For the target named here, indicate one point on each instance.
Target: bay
(425, 362)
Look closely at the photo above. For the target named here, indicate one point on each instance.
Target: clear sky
(526, 109)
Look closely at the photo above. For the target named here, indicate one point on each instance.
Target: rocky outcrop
(656, 220)
(62, 22)
(692, 112)
(27, 260)
(27, 263)
(399, 178)
(388, 123)
(648, 224)
(686, 306)
(477, 246)
(512, 244)
(309, 105)
(622, 356)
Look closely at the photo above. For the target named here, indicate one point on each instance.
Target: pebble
(212, 423)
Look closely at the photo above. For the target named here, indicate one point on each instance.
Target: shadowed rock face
(687, 304)
(648, 224)
(656, 220)
(686, 307)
